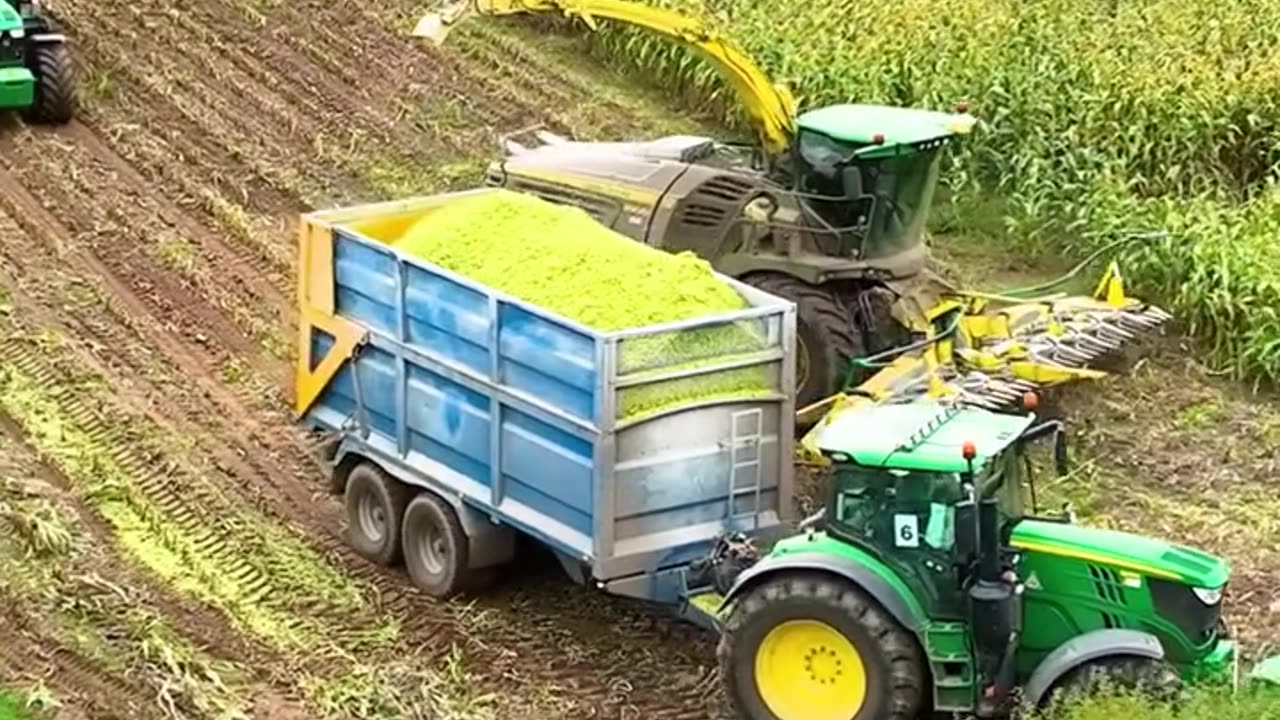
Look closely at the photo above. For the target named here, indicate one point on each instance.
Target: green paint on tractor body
(1081, 579)
(919, 435)
(17, 84)
(36, 73)
(882, 130)
(17, 87)
(932, 536)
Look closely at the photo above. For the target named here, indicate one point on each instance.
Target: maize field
(167, 549)
(1099, 118)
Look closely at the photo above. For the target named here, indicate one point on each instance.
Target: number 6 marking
(906, 531)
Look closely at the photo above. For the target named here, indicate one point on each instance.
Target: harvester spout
(435, 25)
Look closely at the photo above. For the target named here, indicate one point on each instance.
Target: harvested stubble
(560, 259)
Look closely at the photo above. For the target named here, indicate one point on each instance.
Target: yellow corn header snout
(990, 350)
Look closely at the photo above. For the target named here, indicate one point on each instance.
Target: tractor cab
(912, 482)
(867, 174)
(925, 562)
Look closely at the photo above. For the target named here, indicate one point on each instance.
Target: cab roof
(894, 126)
(923, 435)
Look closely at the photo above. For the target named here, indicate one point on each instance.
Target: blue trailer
(460, 416)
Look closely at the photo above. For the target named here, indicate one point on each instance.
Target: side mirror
(1061, 463)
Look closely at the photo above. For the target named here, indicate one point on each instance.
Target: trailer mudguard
(859, 568)
(1089, 646)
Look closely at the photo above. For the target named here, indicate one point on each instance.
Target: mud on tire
(896, 677)
(437, 553)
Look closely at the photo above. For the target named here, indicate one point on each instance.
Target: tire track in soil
(210, 630)
(302, 477)
(521, 649)
(39, 656)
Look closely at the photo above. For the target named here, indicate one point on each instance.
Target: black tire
(55, 101)
(825, 336)
(436, 550)
(375, 504)
(1155, 679)
(895, 674)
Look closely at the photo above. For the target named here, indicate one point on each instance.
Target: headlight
(1208, 596)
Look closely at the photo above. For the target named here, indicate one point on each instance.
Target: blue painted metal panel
(447, 319)
(376, 370)
(321, 341)
(539, 458)
(464, 386)
(448, 422)
(548, 361)
(365, 283)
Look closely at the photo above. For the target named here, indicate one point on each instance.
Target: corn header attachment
(991, 350)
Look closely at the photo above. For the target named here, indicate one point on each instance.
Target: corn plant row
(1098, 116)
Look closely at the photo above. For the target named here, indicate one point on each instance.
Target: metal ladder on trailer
(745, 476)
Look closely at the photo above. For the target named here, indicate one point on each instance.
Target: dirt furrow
(521, 646)
(112, 242)
(100, 692)
(200, 624)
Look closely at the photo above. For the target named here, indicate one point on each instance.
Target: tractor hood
(1124, 551)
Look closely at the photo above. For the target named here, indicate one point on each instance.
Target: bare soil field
(168, 549)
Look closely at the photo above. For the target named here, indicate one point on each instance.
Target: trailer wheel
(436, 550)
(808, 647)
(375, 505)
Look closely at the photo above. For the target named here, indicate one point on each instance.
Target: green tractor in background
(925, 585)
(37, 76)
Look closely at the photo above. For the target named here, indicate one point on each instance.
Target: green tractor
(37, 76)
(925, 585)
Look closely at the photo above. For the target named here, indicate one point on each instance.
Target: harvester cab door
(832, 185)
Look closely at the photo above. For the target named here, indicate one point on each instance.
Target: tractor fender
(50, 38)
(1089, 646)
(908, 614)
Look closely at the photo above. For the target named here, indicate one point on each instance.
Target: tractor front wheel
(825, 337)
(55, 96)
(810, 647)
(1155, 679)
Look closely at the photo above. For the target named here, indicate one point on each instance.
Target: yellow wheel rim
(808, 670)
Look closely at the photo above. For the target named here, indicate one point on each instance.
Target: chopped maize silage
(559, 258)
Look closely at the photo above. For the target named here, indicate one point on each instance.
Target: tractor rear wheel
(825, 337)
(55, 101)
(811, 647)
(1153, 678)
